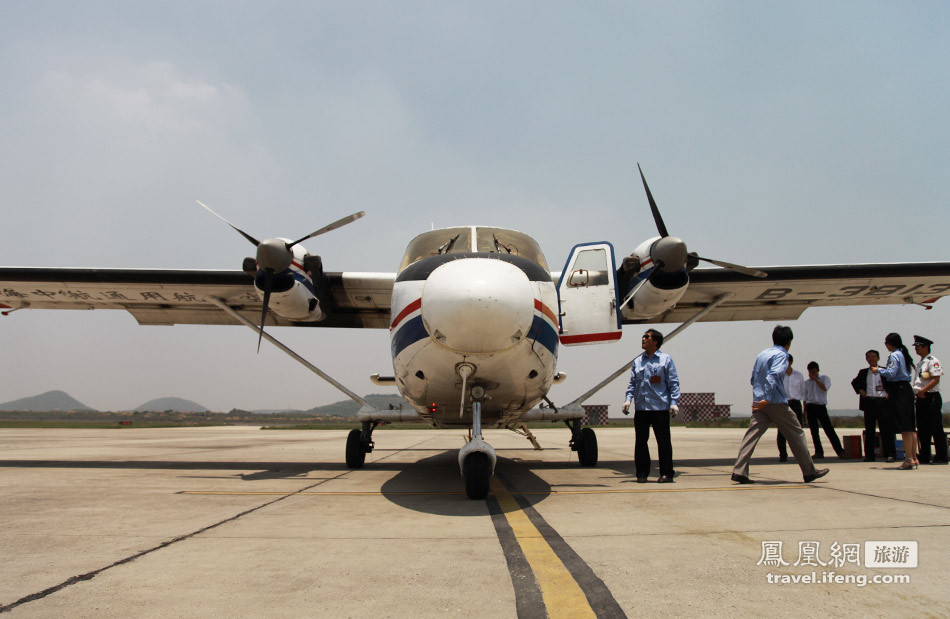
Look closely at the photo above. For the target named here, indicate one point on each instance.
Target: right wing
(790, 290)
(167, 297)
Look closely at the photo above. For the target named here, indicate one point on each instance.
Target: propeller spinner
(276, 255)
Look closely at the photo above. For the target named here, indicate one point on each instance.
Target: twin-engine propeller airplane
(474, 313)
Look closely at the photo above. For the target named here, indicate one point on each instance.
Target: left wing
(167, 297)
(790, 290)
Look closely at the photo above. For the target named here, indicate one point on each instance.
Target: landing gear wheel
(477, 472)
(355, 454)
(587, 447)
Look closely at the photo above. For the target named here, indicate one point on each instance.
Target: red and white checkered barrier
(595, 415)
(702, 407)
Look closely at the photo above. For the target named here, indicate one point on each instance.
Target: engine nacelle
(297, 291)
(298, 302)
(650, 300)
(663, 263)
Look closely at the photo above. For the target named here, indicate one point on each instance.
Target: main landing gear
(584, 442)
(358, 444)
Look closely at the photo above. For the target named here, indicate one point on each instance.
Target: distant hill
(348, 408)
(45, 402)
(170, 404)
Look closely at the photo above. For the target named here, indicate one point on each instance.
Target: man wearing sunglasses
(654, 392)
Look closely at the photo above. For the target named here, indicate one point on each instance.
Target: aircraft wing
(790, 290)
(167, 297)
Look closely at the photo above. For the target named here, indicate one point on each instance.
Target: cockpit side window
(437, 243)
(502, 241)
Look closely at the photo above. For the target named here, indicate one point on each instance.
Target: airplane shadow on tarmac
(433, 484)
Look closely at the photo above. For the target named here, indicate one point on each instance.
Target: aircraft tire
(355, 454)
(477, 472)
(587, 449)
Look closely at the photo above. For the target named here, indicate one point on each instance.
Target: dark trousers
(930, 427)
(877, 412)
(795, 405)
(818, 414)
(660, 422)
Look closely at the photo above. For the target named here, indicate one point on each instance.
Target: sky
(771, 134)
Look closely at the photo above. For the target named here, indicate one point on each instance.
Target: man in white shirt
(794, 389)
(873, 403)
(816, 409)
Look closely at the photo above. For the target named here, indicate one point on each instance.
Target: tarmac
(236, 521)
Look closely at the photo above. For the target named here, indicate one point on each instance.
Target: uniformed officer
(929, 403)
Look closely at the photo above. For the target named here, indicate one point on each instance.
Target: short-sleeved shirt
(896, 370)
(815, 394)
(795, 385)
(926, 369)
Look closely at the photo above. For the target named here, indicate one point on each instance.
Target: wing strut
(366, 406)
(576, 404)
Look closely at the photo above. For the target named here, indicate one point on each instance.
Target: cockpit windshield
(470, 239)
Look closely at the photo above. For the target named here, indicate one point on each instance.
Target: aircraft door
(587, 296)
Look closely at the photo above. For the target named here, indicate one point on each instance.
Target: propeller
(670, 254)
(276, 255)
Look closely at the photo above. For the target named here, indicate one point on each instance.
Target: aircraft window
(589, 269)
(511, 242)
(436, 243)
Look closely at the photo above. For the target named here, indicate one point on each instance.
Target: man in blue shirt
(654, 390)
(770, 405)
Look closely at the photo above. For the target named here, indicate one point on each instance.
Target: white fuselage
(494, 311)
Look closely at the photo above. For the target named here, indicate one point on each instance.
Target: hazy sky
(771, 133)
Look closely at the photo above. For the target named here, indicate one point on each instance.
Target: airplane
(476, 316)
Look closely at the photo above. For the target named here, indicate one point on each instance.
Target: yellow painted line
(537, 493)
(562, 595)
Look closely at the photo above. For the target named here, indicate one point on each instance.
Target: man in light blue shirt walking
(770, 405)
(654, 390)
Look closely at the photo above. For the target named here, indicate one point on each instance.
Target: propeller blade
(734, 267)
(660, 226)
(339, 223)
(268, 279)
(241, 232)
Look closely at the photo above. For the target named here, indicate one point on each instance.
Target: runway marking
(561, 594)
(549, 577)
(92, 574)
(760, 488)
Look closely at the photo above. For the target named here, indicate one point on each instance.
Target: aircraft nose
(477, 305)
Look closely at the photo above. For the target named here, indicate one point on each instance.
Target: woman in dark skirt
(900, 396)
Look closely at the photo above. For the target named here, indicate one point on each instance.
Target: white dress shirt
(795, 385)
(875, 386)
(815, 394)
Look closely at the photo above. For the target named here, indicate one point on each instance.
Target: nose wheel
(477, 473)
(477, 459)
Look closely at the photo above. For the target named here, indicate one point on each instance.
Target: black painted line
(90, 575)
(528, 600)
(599, 597)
